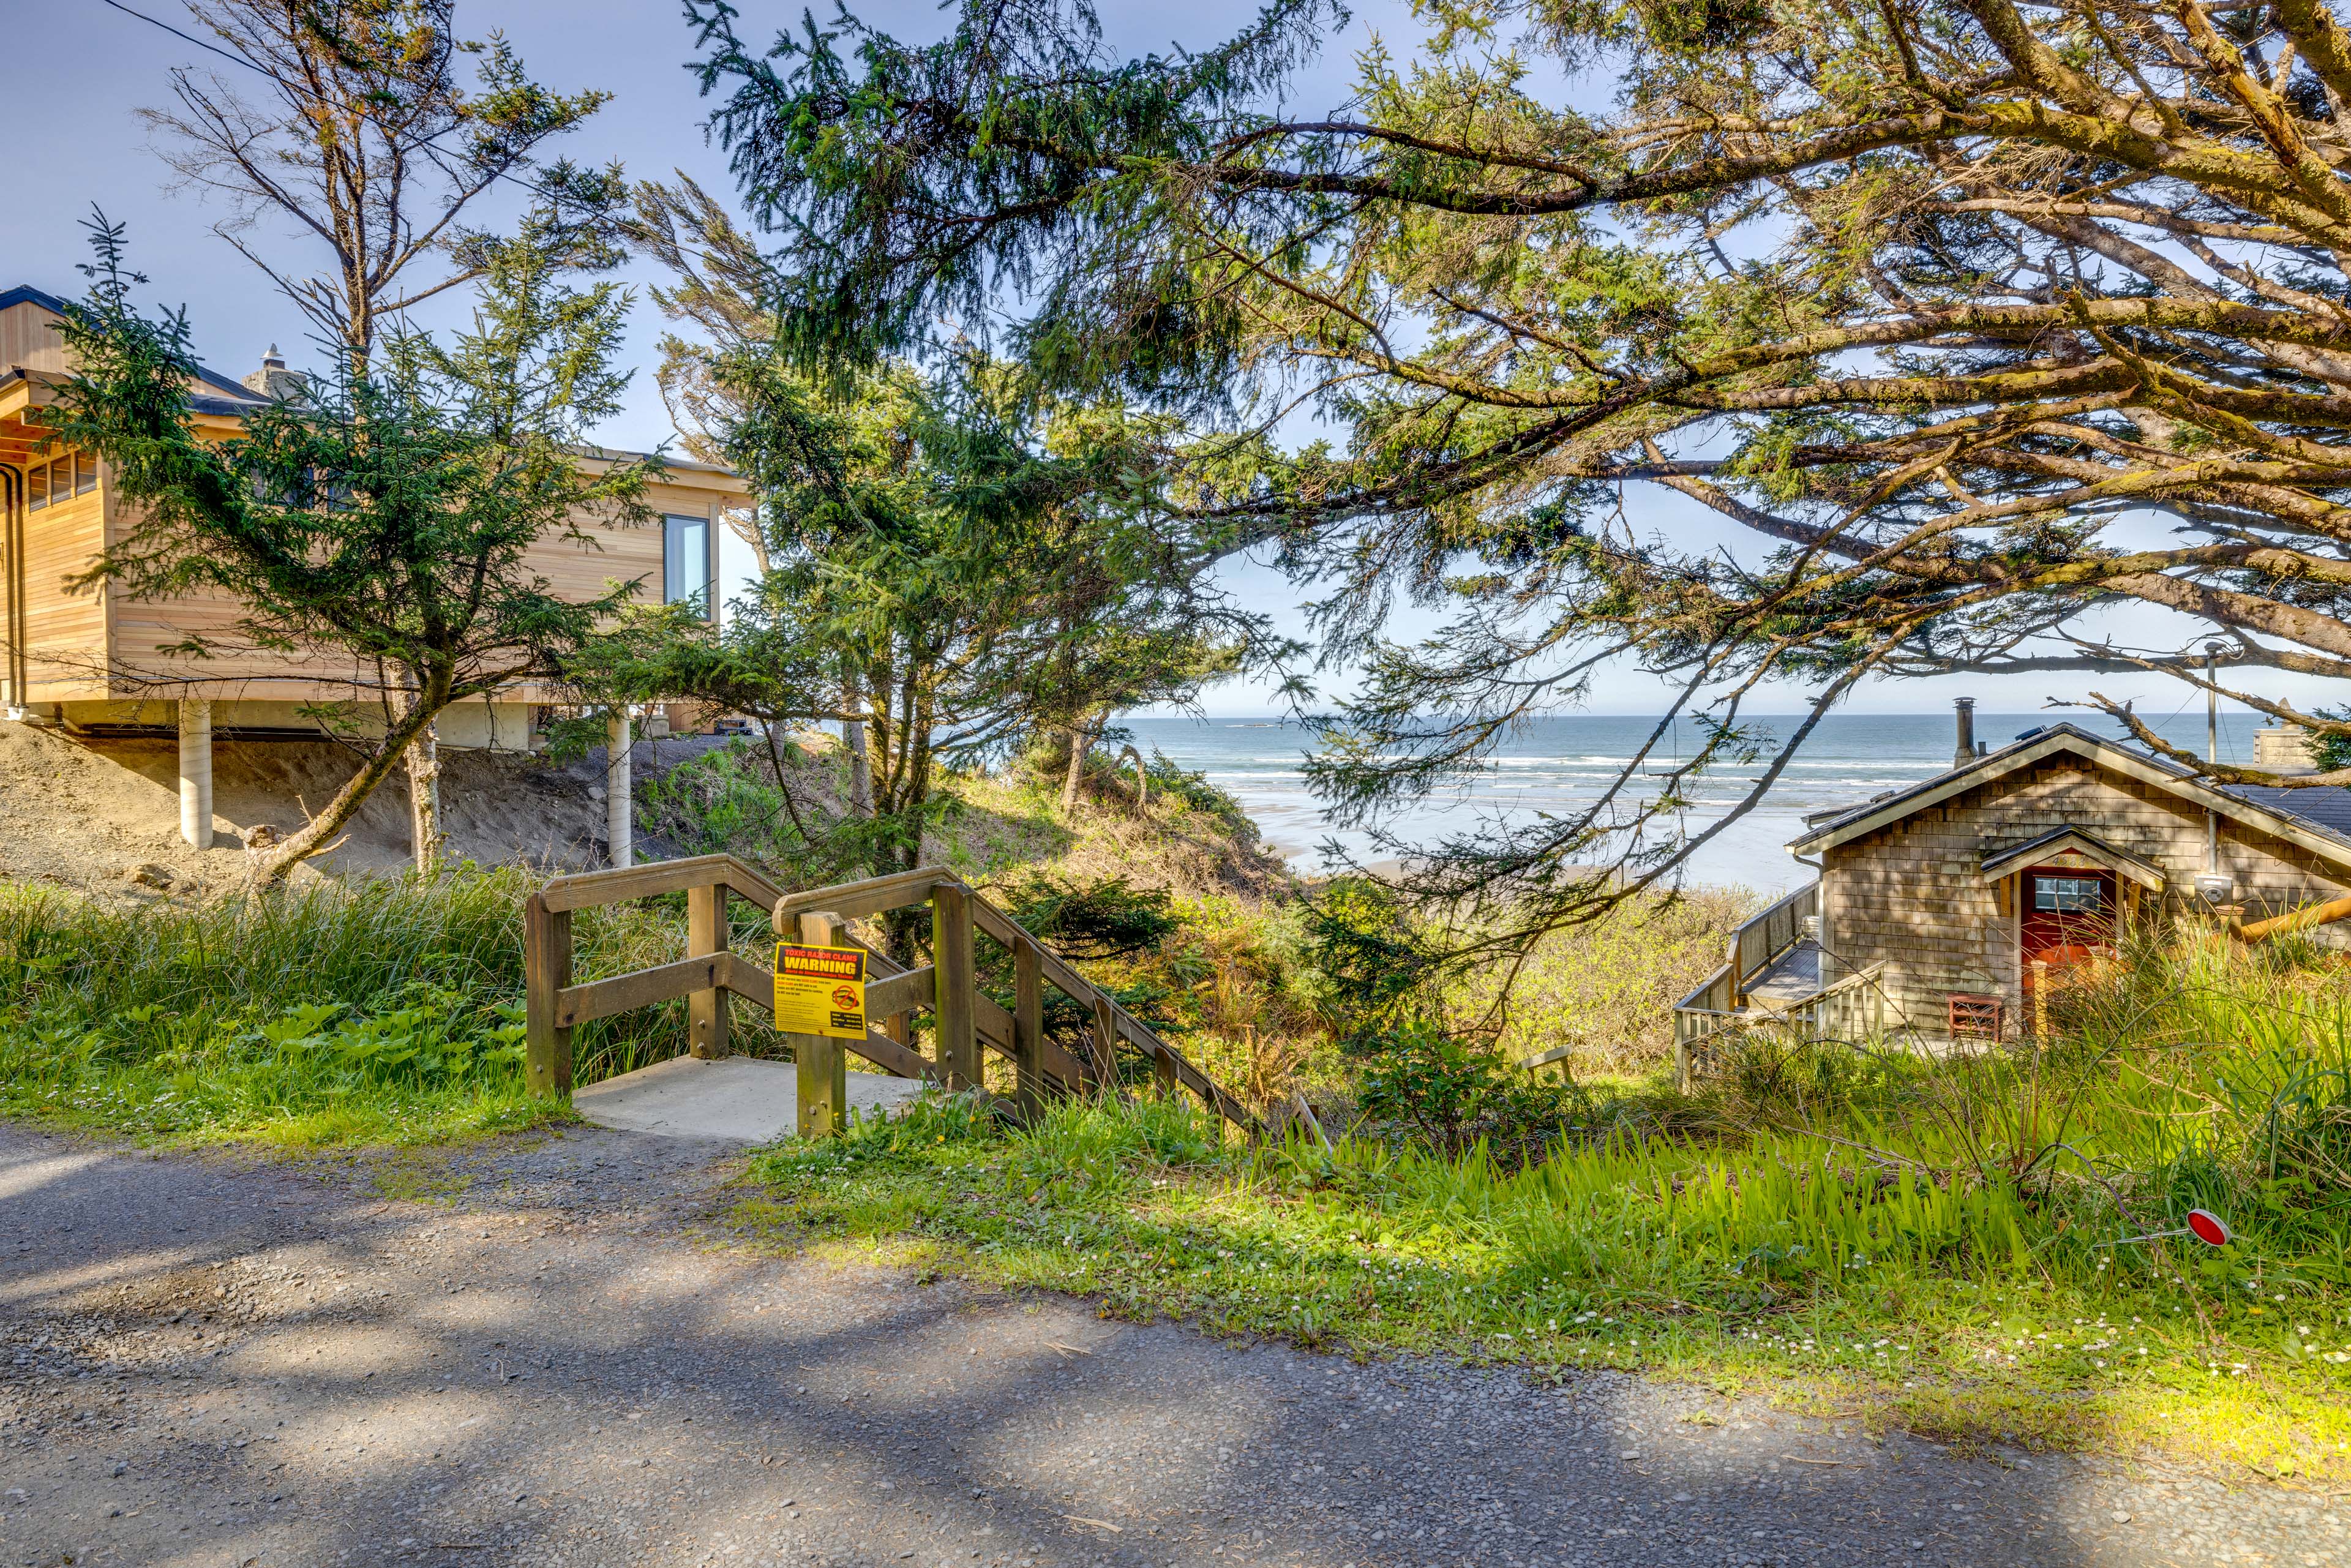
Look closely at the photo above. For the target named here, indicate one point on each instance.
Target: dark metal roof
(26, 294)
(2324, 807)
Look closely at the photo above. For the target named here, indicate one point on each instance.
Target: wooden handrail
(1134, 1030)
(874, 895)
(709, 974)
(638, 988)
(588, 889)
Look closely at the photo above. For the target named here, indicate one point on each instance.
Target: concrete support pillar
(619, 811)
(196, 771)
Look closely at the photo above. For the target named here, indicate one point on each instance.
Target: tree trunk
(424, 800)
(1081, 740)
(852, 741)
(313, 836)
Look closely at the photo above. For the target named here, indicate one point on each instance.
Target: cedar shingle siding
(1912, 895)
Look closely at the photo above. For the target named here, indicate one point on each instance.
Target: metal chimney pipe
(1965, 752)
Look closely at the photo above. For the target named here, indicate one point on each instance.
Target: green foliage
(948, 566)
(1606, 988)
(729, 801)
(2331, 751)
(1107, 926)
(369, 1011)
(1197, 794)
(1515, 300)
(1895, 1227)
(369, 144)
(1105, 918)
(1380, 980)
(385, 1014)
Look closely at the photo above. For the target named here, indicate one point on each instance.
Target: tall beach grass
(364, 1010)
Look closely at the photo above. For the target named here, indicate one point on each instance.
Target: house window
(2068, 895)
(37, 487)
(685, 562)
(85, 473)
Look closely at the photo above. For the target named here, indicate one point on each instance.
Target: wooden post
(1027, 1028)
(547, 969)
(706, 932)
(2040, 1002)
(821, 1082)
(1105, 1043)
(1162, 1073)
(951, 950)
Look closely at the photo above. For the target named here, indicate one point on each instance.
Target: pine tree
(386, 515)
(1988, 332)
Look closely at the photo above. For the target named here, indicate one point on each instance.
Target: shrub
(1168, 779)
(1105, 924)
(730, 800)
(1380, 979)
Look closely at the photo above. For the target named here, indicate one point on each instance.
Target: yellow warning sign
(820, 990)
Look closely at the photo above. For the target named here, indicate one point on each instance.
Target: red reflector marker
(2209, 1228)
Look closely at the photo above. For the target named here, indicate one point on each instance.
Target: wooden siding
(64, 632)
(102, 644)
(573, 569)
(1912, 895)
(28, 339)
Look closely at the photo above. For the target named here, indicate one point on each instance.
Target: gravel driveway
(550, 1355)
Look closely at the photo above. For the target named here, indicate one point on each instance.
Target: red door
(2069, 917)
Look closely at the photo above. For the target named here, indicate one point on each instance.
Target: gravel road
(554, 1354)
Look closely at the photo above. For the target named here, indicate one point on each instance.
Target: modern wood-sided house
(1942, 908)
(90, 659)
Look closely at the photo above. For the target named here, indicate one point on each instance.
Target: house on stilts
(92, 661)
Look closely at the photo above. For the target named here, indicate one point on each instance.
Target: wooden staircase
(966, 1018)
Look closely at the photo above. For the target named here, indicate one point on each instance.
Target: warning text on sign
(820, 990)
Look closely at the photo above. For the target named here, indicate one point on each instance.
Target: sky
(77, 125)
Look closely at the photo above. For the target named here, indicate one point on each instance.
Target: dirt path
(560, 1362)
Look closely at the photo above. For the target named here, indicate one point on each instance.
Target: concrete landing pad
(741, 1100)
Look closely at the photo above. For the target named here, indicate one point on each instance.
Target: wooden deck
(1791, 977)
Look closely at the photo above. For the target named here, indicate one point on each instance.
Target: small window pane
(2067, 894)
(37, 487)
(85, 473)
(685, 561)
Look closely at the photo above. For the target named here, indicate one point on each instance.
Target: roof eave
(2065, 737)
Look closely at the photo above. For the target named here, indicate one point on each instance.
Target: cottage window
(85, 473)
(37, 487)
(2067, 894)
(685, 562)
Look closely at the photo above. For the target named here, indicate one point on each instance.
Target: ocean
(1561, 763)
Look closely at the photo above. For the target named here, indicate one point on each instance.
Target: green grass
(1924, 1243)
(351, 1013)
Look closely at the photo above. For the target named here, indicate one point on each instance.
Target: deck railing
(1720, 999)
(1768, 935)
(966, 1018)
(1852, 1008)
